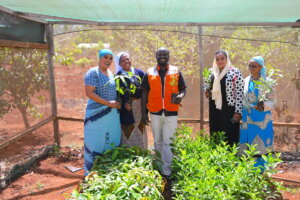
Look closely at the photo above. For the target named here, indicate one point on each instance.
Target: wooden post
(52, 83)
(201, 63)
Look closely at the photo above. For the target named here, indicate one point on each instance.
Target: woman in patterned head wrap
(101, 123)
(225, 98)
(130, 112)
(257, 126)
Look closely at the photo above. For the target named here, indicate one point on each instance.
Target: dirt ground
(50, 179)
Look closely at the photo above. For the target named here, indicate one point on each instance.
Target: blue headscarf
(104, 52)
(260, 60)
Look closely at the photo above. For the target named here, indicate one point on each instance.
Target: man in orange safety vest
(163, 89)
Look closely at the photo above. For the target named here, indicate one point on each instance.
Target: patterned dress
(101, 124)
(232, 86)
(257, 126)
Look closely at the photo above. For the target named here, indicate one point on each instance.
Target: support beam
(18, 44)
(187, 120)
(26, 132)
(34, 18)
(201, 66)
(52, 83)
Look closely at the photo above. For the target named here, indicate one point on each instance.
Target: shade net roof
(161, 11)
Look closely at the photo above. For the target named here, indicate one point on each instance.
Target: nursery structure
(29, 95)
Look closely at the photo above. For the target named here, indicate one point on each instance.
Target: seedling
(207, 79)
(266, 86)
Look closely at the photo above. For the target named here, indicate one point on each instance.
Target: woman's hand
(260, 106)
(127, 106)
(207, 93)
(236, 117)
(114, 104)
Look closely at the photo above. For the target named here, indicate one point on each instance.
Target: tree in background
(23, 73)
(140, 42)
(277, 54)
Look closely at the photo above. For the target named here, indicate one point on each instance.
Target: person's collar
(158, 67)
(252, 78)
(131, 70)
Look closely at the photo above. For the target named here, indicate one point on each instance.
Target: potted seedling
(131, 87)
(267, 85)
(207, 85)
(119, 79)
(207, 80)
(174, 83)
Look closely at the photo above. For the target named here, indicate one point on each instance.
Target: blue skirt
(102, 132)
(257, 129)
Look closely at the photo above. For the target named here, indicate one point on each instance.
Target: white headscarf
(216, 92)
(117, 61)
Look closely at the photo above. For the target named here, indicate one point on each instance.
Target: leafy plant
(123, 86)
(84, 61)
(123, 173)
(39, 186)
(266, 86)
(207, 78)
(133, 87)
(207, 168)
(23, 74)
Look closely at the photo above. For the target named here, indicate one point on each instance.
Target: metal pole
(201, 59)
(52, 83)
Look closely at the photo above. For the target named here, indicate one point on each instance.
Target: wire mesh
(77, 52)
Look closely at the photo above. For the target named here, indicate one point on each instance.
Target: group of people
(119, 104)
(232, 98)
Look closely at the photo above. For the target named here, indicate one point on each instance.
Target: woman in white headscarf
(130, 112)
(225, 95)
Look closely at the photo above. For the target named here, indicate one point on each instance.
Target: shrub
(207, 169)
(123, 173)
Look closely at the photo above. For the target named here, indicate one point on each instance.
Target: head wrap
(260, 60)
(216, 92)
(117, 61)
(104, 52)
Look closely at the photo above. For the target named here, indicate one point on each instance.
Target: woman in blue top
(101, 124)
(130, 112)
(257, 126)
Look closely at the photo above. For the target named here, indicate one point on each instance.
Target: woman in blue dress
(101, 124)
(257, 126)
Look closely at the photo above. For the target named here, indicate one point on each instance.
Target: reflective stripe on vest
(155, 100)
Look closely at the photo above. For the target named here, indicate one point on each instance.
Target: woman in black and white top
(225, 93)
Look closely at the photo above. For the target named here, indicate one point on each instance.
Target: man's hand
(145, 119)
(178, 99)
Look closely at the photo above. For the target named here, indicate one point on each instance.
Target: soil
(48, 179)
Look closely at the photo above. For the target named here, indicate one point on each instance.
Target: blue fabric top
(105, 86)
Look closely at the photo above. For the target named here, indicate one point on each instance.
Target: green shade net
(182, 11)
(18, 29)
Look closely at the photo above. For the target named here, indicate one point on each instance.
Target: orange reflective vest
(155, 100)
